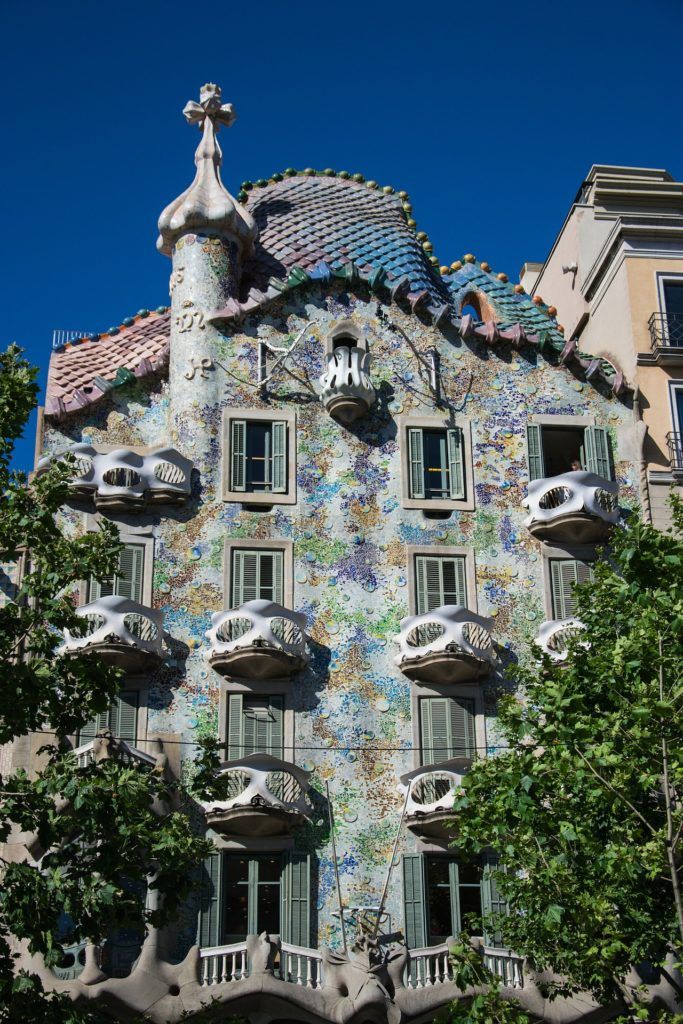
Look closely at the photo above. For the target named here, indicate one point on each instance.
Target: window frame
(674, 387)
(406, 423)
(128, 534)
(250, 415)
(285, 546)
(280, 688)
(663, 278)
(461, 691)
(433, 551)
(551, 553)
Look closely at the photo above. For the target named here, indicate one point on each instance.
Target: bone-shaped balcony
(347, 391)
(447, 645)
(554, 636)
(105, 746)
(577, 507)
(433, 789)
(258, 640)
(121, 632)
(122, 480)
(261, 796)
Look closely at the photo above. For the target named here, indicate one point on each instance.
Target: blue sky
(488, 114)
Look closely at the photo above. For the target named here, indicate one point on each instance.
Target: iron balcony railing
(666, 330)
(675, 442)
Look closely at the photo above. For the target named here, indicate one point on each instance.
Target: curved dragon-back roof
(314, 227)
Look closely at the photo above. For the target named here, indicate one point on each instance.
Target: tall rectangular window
(673, 306)
(127, 581)
(565, 574)
(436, 464)
(252, 895)
(439, 580)
(553, 450)
(256, 574)
(446, 728)
(255, 725)
(258, 456)
(121, 720)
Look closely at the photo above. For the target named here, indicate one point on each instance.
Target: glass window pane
(435, 464)
(268, 912)
(673, 297)
(269, 869)
(236, 869)
(469, 874)
(439, 904)
(258, 456)
(470, 907)
(236, 912)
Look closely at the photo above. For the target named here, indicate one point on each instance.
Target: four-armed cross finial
(209, 106)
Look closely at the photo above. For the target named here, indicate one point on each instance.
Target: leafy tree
(103, 831)
(585, 807)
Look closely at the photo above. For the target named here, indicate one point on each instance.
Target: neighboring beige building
(615, 275)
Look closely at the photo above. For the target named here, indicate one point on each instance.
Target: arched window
(471, 306)
(346, 334)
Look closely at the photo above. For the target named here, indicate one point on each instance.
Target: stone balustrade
(122, 480)
(432, 790)
(575, 507)
(347, 391)
(121, 632)
(447, 645)
(108, 746)
(258, 640)
(263, 796)
(554, 635)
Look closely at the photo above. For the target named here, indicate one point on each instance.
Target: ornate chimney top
(207, 206)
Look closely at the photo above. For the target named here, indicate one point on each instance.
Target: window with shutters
(565, 574)
(255, 725)
(436, 465)
(121, 720)
(127, 581)
(260, 457)
(439, 579)
(553, 450)
(447, 728)
(257, 573)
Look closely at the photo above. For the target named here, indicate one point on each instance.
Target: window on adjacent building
(436, 463)
(561, 449)
(247, 893)
(258, 456)
(444, 895)
(565, 574)
(121, 720)
(127, 580)
(256, 574)
(446, 728)
(673, 299)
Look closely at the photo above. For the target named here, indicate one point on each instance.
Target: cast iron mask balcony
(124, 481)
(258, 640)
(121, 632)
(576, 507)
(347, 389)
(433, 790)
(264, 796)
(666, 330)
(106, 746)
(554, 635)
(447, 645)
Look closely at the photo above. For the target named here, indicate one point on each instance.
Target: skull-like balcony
(433, 790)
(121, 632)
(263, 796)
(578, 507)
(447, 645)
(258, 640)
(347, 391)
(554, 636)
(123, 481)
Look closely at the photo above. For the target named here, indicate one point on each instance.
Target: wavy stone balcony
(258, 640)
(347, 391)
(264, 797)
(107, 746)
(124, 481)
(577, 507)
(121, 632)
(447, 645)
(553, 637)
(433, 789)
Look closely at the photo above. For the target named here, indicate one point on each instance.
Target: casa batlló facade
(353, 487)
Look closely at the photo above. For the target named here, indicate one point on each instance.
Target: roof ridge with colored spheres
(315, 227)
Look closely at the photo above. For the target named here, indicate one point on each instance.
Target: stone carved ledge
(347, 391)
(433, 789)
(554, 635)
(124, 481)
(258, 640)
(265, 797)
(447, 645)
(121, 632)
(577, 507)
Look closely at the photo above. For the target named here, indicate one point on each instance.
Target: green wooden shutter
(295, 887)
(279, 456)
(439, 580)
(238, 455)
(446, 728)
(534, 444)
(492, 901)
(278, 576)
(597, 452)
(456, 463)
(462, 738)
(124, 716)
(128, 580)
(416, 458)
(209, 929)
(413, 901)
(565, 574)
(235, 730)
(100, 723)
(245, 577)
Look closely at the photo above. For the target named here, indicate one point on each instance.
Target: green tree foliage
(98, 834)
(584, 808)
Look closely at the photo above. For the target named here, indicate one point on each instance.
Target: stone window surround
(437, 551)
(582, 552)
(345, 327)
(129, 533)
(439, 423)
(675, 384)
(662, 277)
(245, 544)
(474, 693)
(287, 497)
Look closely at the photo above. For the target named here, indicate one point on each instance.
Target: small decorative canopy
(207, 206)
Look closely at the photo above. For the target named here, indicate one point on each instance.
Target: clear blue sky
(488, 114)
